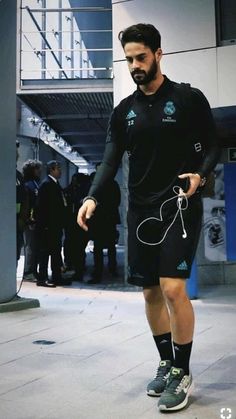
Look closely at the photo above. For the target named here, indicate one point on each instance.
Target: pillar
(8, 149)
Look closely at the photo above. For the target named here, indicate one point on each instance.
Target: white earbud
(180, 200)
(184, 235)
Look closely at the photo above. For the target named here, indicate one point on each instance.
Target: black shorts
(174, 256)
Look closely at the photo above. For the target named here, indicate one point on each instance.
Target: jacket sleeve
(201, 112)
(42, 213)
(114, 150)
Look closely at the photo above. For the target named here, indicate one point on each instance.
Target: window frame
(221, 42)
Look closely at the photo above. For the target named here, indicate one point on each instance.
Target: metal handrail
(68, 49)
(44, 38)
(67, 31)
(69, 9)
(73, 51)
(69, 69)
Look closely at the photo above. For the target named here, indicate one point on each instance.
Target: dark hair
(29, 167)
(80, 177)
(144, 33)
(92, 175)
(51, 165)
(98, 164)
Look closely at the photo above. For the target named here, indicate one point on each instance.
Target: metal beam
(90, 154)
(69, 117)
(27, 137)
(86, 145)
(82, 133)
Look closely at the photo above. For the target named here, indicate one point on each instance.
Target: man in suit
(50, 220)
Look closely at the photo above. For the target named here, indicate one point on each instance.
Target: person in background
(21, 207)
(31, 174)
(105, 235)
(76, 238)
(50, 221)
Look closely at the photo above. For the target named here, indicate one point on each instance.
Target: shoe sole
(164, 408)
(152, 393)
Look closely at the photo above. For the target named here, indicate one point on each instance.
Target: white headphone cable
(181, 197)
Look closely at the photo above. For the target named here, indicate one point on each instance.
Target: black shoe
(114, 273)
(77, 278)
(94, 281)
(45, 284)
(61, 282)
(29, 277)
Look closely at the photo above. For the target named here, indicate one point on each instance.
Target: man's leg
(179, 382)
(56, 259)
(156, 310)
(181, 319)
(112, 263)
(30, 265)
(43, 266)
(159, 322)
(98, 258)
(81, 239)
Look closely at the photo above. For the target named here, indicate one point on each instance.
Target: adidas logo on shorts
(182, 266)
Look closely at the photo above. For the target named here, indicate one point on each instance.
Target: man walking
(168, 132)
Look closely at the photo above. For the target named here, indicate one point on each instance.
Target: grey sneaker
(177, 390)
(157, 386)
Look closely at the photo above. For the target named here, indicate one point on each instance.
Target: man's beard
(142, 77)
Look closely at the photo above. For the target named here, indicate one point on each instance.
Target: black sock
(182, 356)
(164, 346)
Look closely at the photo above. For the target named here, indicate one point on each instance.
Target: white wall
(186, 27)
(226, 70)
(183, 24)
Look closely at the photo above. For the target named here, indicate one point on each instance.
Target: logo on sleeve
(198, 147)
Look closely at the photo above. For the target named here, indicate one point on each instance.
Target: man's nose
(135, 65)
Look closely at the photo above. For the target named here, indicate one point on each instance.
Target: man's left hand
(194, 180)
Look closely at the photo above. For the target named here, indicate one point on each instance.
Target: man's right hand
(85, 213)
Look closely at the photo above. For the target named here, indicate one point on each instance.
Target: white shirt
(53, 178)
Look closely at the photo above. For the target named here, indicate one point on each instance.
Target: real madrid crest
(169, 108)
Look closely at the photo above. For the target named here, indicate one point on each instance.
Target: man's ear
(158, 54)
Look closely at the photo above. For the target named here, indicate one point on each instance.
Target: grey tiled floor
(104, 355)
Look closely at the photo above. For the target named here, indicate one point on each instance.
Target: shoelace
(181, 384)
(162, 372)
(174, 386)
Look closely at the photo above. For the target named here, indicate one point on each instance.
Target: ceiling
(80, 118)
